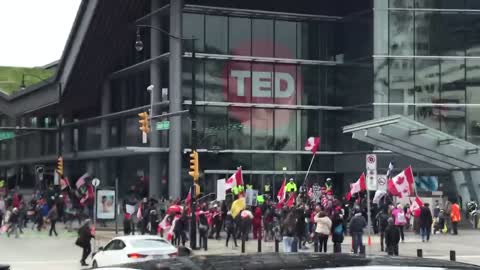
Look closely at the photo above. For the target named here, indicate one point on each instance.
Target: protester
(400, 219)
(179, 229)
(455, 217)
(425, 222)
(392, 238)
(202, 227)
(357, 224)
(288, 231)
(257, 223)
(83, 241)
(322, 231)
(382, 221)
(230, 229)
(13, 223)
(338, 230)
(53, 217)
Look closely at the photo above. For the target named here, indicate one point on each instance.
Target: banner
(221, 190)
(251, 197)
(105, 204)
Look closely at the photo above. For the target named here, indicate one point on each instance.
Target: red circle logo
(262, 83)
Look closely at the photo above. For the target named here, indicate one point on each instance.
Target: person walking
(338, 230)
(322, 230)
(392, 238)
(357, 224)
(230, 229)
(399, 219)
(425, 222)
(83, 241)
(288, 231)
(382, 223)
(455, 217)
(13, 221)
(447, 209)
(53, 217)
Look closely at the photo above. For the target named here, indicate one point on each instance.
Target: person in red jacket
(257, 223)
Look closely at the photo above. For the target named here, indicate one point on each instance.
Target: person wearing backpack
(382, 221)
(400, 219)
(338, 229)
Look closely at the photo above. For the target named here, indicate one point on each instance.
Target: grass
(11, 77)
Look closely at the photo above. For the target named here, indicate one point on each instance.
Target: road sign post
(95, 184)
(371, 166)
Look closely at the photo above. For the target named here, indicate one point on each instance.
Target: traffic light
(194, 166)
(144, 122)
(60, 166)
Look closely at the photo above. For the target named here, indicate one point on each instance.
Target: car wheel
(94, 264)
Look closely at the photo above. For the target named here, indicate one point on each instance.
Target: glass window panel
(187, 79)
(452, 81)
(427, 91)
(216, 35)
(473, 100)
(401, 3)
(263, 84)
(239, 129)
(380, 20)
(424, 33)
(262, 129)
(380, 96)
(194, 26)
(315, 40)
(440, 4)
(472, 26)
(240, 81)
(286, 84)
(401, 91)
(285, 160)
(309, 85)
(472, 4)
(285, 129)
(448, 33)
(215, 126)
(285, 39)
(240, 36)
(401, 32)
(262, 38)
(262, 162)
(215, 81)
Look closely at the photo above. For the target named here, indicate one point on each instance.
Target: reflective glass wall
(425, 63)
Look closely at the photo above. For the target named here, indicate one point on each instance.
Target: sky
(34, 32)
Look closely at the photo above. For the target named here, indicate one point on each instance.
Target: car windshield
(149, 243)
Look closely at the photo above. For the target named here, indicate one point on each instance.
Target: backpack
(401, 218)
(338, 229)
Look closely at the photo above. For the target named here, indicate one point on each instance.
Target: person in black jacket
(83, 241)
(382, 223)
(425, 222)
(392, 238)
(230, 228)
(338, 230)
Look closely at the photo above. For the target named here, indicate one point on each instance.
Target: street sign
(163, 125)
(95, 182)
(371, 165)
(5, 135)
(382, 182)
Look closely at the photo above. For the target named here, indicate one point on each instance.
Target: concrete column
(475, 185)
(67, 144)
(155, 164)
(461, 180)
(105, 130)
(175, 88)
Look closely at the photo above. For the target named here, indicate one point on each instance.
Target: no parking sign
(371, 162)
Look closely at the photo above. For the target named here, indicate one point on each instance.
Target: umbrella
(174, 209)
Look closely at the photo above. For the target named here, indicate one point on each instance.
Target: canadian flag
(312, 144)
(282, 192)
(402, 184)
(416, 206)
(235, 180)
(356, 187)
(291, 201)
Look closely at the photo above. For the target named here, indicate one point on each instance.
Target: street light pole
(193, 112)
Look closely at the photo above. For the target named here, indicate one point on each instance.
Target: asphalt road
(35, 250)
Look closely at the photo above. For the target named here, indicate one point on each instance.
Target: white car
(133, 248)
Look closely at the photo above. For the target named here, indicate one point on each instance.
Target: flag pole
(309, 166)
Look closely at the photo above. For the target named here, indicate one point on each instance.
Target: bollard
(362, 250)
(205, 243)
(276, 245)
(453, 256)
(243, 244)
(259, 244)
(419, 253)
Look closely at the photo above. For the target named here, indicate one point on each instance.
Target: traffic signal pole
(193, 115)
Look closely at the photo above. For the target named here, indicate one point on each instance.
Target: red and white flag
(81, 181)
(282, 192)
(139, 211)
(416, 206)
(356, 187)
(312, 144)
(291, 201)
(64, 183)
(235, 180)
(402, 184)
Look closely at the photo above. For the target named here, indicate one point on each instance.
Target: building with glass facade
(267, 75)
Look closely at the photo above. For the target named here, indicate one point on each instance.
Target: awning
(407, 137)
